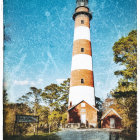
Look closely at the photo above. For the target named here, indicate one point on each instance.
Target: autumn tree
(5, 104)
(125, 54)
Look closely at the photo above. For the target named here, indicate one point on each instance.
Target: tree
(9, 120)
(32, 98)
(64, 87)
(43, 113)
(56, 97)
(125, 54)
(51, 96)
(5, 104)
(54, 120)
(5, 97)
(98, 103)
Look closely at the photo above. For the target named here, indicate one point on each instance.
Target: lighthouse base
(82, 115)
(73, 125)
(80, 125)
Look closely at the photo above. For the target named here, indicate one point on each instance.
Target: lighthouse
(81, 105)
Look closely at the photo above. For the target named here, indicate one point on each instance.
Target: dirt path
(90, 134)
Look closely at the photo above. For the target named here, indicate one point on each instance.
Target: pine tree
(125, 54)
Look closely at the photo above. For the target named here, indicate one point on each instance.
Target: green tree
(98, 103)
(54, 120)
(51, 96)
(64, 87)
(56, 97)
(43, 113)
(125, 54)
(32, 98)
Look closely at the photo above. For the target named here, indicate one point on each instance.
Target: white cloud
(32, 83)
(24, 82)
(40, 81)
(59, 81)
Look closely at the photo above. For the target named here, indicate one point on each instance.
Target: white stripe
(81, 61)
(82, 32)
(79, 93)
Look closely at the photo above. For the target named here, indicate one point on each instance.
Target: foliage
(51, 116)
(54, 120)
(11, 111)
(125, 53)
(64, 118)
(50, 96)
(5, 97)
(56, 97)
(98, 103)
(5, 112)
(32, 98)
(43, 113)
(64, 87)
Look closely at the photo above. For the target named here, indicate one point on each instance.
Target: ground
(78, 134)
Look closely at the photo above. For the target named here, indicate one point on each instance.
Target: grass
(41, 136)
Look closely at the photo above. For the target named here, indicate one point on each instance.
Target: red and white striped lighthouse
(81, 106)
(81, 82)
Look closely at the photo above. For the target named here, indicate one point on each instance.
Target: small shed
(111, 119)
(83, 113)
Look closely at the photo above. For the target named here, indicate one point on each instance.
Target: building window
(83, 105)
(82, 49)
(82, 81)
(82, 21)
(83, 110)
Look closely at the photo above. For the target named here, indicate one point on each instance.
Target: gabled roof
(79, 103)
(109, 112)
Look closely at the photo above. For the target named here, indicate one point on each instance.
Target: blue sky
(41, 32)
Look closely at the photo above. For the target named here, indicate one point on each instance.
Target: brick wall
(75, 114)
(105, 123)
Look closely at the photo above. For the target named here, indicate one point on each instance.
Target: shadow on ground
(71, 134)
(45, 137)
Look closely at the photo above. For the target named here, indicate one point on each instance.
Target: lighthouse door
(83, 118)
(112, 123)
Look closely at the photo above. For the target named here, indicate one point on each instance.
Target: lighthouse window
(82, 21)
(82, 49)
(83, 105)
(82, 81)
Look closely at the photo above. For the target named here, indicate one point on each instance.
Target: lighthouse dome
(82, 3)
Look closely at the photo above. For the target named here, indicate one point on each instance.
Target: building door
(112, 123)
(83, 118)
